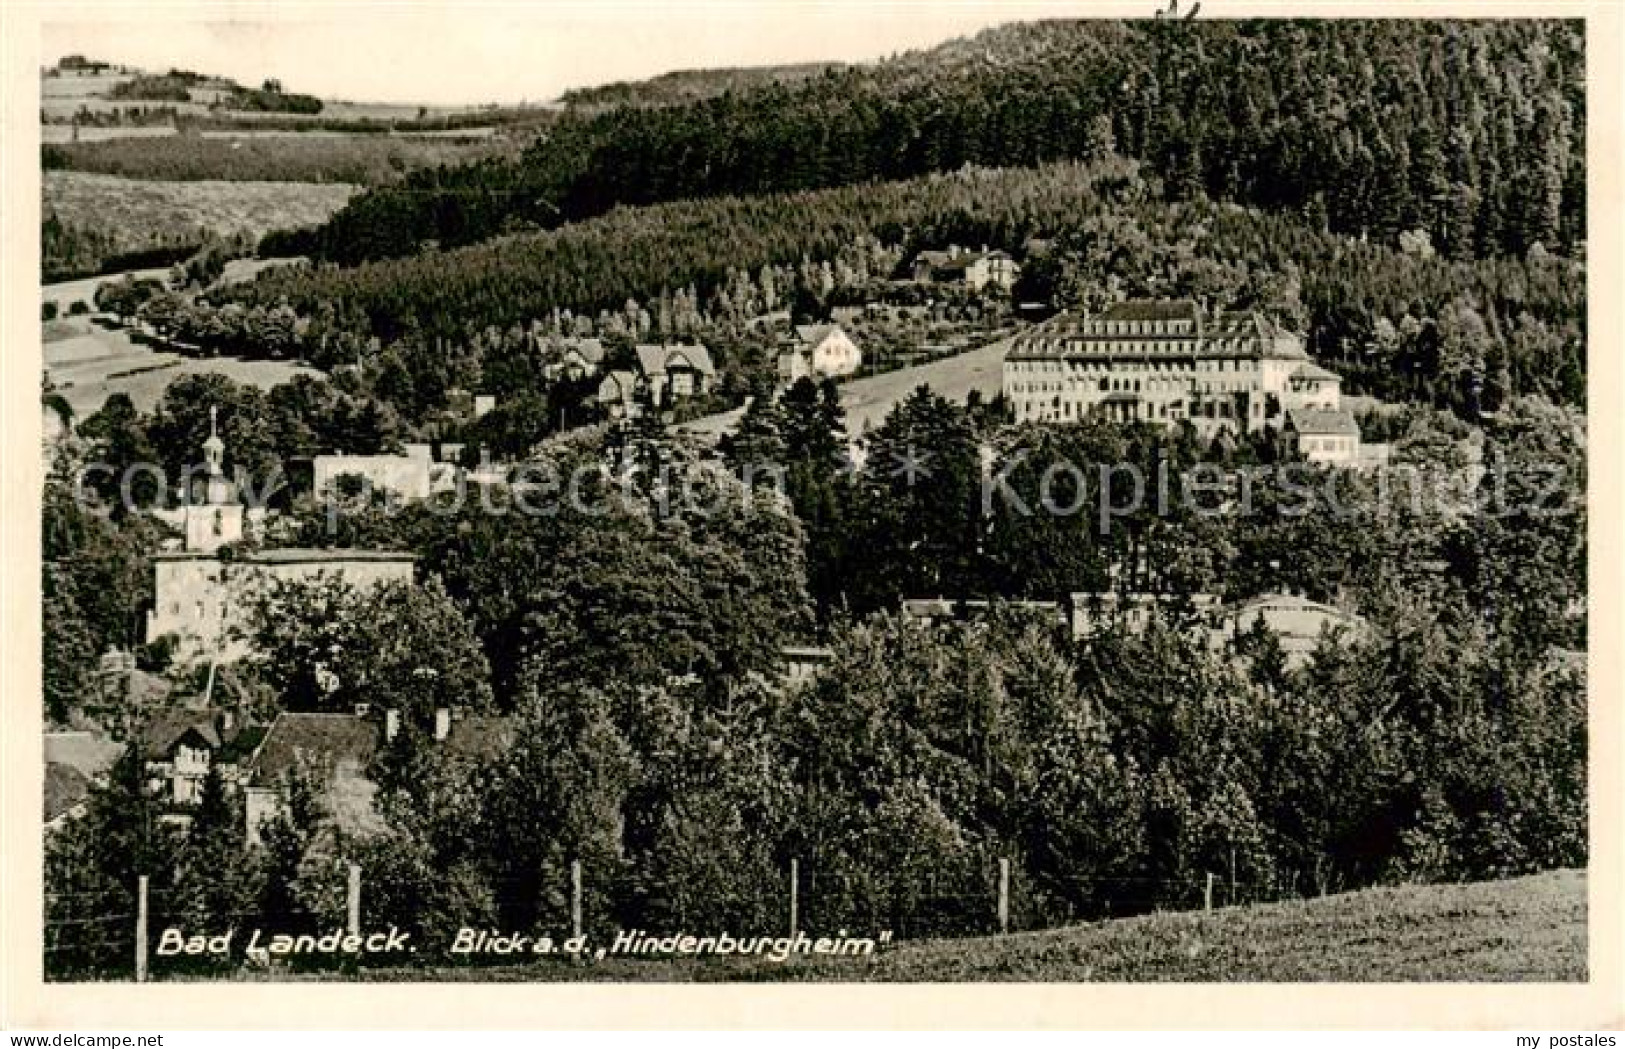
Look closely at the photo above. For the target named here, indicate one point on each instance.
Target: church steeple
(219, 518)
(214, 449)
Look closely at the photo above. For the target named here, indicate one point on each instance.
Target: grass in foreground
(1530, 929)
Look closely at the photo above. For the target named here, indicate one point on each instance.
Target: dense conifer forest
(1471, 130)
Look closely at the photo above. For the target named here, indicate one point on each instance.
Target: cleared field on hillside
(88, 363)
(66, 293)
(1530, 929)
(285, 156)
(141, 214)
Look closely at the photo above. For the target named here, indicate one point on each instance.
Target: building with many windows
(1164, 361)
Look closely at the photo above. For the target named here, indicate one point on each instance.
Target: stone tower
(217, 520)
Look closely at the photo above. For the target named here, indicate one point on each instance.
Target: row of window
(1060, 408)
(1084, 364)
(1123, 385)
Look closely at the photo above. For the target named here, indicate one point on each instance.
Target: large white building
(1163, 361)
(201, 598)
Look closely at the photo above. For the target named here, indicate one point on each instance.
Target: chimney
(392, 724)
(442, 724)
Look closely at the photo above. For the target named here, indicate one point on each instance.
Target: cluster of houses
(1166, 361)
(1153, 361)
(201, 595)
(972, 270)
(660, 376)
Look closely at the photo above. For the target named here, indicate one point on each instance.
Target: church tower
(217, 520)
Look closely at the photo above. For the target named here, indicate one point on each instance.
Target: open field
(88, 363)
(276, 156)
(132, 215)
(867, 401)
(61, 134)
(1530, 929)
(65, 293)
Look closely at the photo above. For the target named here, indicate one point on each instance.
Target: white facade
(1164, 362)
(821, 350)
(204, 601)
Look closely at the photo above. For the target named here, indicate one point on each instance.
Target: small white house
(820, 350)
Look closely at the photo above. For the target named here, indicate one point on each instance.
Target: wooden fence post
(575, 897)
(795, 901)
(141, 929)
(352, 900)
(1004, 895)
(1207, 893)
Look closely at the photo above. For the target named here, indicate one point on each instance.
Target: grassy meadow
(1529, 929)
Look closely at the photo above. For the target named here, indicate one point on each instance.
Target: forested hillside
(1473, 131)
(1408, 324)
(689, 85)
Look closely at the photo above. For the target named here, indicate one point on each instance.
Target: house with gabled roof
(577, 357)
(1330, 438)
(181, 745)
(673, 373)
(337, 751)
(971, 269)
(819, 350)
(1311, 386)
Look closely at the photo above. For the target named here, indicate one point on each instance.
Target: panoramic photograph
(923, 500)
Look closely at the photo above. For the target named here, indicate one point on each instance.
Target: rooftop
(65, 788)
(291, 555)
(1151, 310)
(329, 740)
(1320, 423)
(1311, 370)
(813, 334)
(655, 359)
(168, 727)
(322, 740)
(1067, 335)
(84, 751)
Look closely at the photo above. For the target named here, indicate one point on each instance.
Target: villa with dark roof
(972, 269)
(337, 750)
(663, 375)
